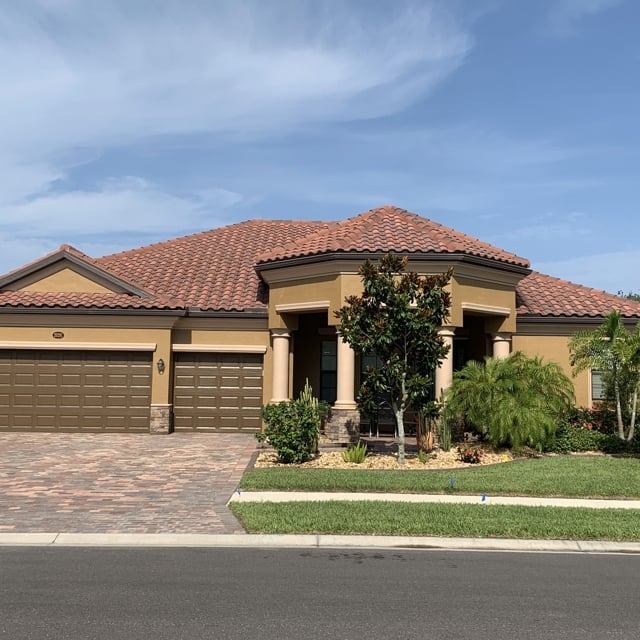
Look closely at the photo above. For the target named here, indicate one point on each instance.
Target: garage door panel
(71, 379)
(45, 380)
(74, 390)
(210, 393)
(46, 400)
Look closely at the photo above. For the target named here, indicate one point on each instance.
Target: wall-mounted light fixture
(160, 365)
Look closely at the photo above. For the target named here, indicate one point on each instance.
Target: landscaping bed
(377, 459)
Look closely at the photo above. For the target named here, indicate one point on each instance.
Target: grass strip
(563, 476)
(454, 520)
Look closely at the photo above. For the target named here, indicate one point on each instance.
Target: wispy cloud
(87, 77)
(565, 17)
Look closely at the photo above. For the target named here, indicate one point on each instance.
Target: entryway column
(501, 345)
(280, 344)
(346, 365)
(344, 425)
(444, 373)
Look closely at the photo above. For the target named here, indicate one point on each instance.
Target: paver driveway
(139, 483)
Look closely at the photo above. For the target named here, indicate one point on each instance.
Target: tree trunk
(399, 415)
(634, 406)
(616, 386)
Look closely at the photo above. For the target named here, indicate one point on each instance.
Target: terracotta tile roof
(387, 229)
(41, 299)
(215, 270)
(212, 270)
(541, 295)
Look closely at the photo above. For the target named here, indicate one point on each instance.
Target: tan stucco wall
(302, 292)
(555, 349)
(483, 295)
(66, 280)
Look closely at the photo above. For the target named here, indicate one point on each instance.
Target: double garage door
(100, 391)
(89, 391)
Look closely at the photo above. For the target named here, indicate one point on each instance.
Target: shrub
(469, 455)
(515, 401)
(573, 439)
(601, 418)
(613, 444)
(292, 427)
(444, 434)
(355, 453)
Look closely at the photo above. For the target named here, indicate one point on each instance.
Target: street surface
(140, 594)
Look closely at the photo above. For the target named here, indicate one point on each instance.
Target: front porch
(311, 349)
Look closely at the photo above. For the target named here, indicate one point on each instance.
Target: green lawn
(570, 476)
(451, 520)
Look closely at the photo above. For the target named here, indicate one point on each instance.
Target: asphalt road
(139, 594)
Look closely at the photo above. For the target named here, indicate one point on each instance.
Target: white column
(444, 373)
(280, 373)
(501, 345)
(345, 395)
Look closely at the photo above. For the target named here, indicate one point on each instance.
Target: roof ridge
(390, 228)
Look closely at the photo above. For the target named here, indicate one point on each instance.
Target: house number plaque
(58, 335)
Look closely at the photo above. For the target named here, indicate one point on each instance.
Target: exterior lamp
(160, 365)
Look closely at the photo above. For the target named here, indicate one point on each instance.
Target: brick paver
(100, 483)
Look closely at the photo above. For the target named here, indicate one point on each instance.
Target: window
(597, 386)
(328, 371)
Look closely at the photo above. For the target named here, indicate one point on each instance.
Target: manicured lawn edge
(451, 520)
(558, 476)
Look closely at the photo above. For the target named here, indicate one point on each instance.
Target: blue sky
(126, 122)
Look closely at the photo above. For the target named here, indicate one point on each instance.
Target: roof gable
(390, 229)
(67, 271)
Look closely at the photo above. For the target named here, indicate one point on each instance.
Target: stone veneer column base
(344, 426)
(160, 419)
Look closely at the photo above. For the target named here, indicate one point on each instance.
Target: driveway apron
(133, 483)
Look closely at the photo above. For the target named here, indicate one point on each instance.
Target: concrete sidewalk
(301, 496)
(322, 541)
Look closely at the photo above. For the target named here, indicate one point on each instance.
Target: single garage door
(87, 391)
(217, 392)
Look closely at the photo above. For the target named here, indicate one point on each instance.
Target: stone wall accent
(160, 419)
(344, 426)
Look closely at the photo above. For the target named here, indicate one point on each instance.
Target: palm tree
(515, 401)
(615, 351)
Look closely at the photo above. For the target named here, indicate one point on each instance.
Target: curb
(318, 541)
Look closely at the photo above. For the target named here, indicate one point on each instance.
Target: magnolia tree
(614, 351)
(397, 318)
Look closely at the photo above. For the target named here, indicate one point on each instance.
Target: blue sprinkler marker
(452, 481)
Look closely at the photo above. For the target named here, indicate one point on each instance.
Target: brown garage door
(217, 392)
(74, 391)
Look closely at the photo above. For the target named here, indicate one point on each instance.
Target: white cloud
(565, 16)
(131, 205)
(101, 73)
(87, 77)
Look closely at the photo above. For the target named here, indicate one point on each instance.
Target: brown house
(197, 333)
